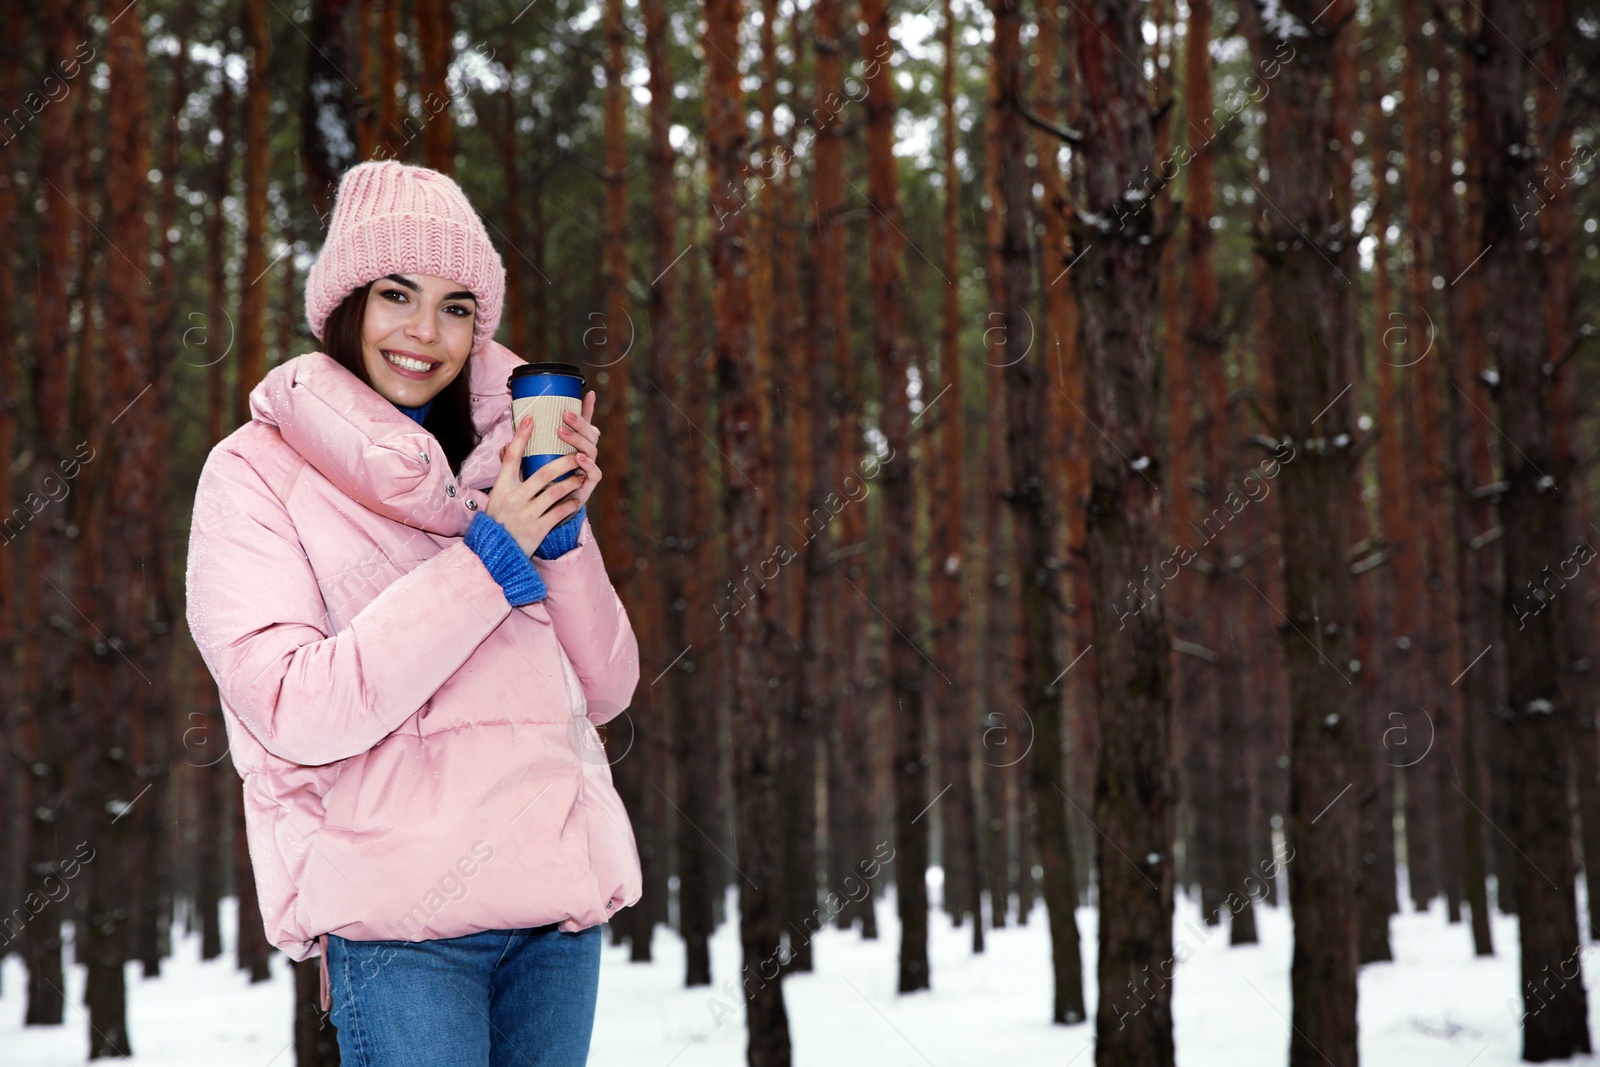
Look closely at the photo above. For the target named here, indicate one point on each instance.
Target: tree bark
(1116, 285)
(963, 887)
(747, 510)
(48, 734)
(14, 698)
(907, 663)
(1534, 513)
(610, 346)
(661, 379)
(1303, 233)
(701, 892)
(1476, 577)
(516, 284)
(1003, 734)
(1022, 380)
(117, 562)
(330, 110)
(803, 691)
(253, 296)
(436, 30)
(1390, 717)
(391, 139)
(316, 1039)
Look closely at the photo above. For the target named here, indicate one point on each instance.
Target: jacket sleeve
(259, 620)
(592, 625)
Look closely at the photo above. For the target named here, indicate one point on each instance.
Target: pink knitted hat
(393, 218)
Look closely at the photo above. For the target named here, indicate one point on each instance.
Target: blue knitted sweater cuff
(564, 538)
(505, 560)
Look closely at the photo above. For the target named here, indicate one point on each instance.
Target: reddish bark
(391, 139)
(253, 295)
(907, 663)
(47, 735)
(1474, 577)
(330, 110)
(1312, 342)
(1026, 380)
(747, 510)
(1117, 290)
(1534, 512)
(963, 887)
(436, 30)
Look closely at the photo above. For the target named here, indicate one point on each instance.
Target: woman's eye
(394, 294)
(464, 312)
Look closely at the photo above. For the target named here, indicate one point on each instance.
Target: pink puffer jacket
(419, 756)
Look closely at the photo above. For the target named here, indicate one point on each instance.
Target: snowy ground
(1435, 1005)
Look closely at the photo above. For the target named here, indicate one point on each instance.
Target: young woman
(413, 647)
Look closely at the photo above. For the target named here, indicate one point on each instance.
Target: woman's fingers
(511, 455)
(578, 430)
(553, 487)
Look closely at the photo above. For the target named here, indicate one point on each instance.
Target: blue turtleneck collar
(417, 413)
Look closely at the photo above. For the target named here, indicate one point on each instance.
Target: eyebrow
(459, 294)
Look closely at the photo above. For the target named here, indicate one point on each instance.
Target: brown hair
(450, 417)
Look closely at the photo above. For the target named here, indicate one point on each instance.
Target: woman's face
(423, 322)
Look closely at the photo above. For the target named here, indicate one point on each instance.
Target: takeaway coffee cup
(545, 391)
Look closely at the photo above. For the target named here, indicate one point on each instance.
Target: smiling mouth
(410, 363)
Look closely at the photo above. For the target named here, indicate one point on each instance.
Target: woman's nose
(421, 327)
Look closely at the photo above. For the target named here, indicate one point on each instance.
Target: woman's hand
(579, 432)
(531, 509)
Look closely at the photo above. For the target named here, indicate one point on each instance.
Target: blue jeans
(501, 998)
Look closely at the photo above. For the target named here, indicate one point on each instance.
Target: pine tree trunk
(1379, 894)
(850, 805)
(826, 348)
(316, 1039)
(1401, 344)
(963, 885)
(516, 286)
(1313, 341)
(1264, 571)
(1190, 615)
(365, 75)
(436, 30)
(1578, 625)
(205, 741)
(48, 734)
(155, 815)
(1021, 381)
(330, 109)
(1222, 589)
(1534, 514)
(116, 684)
(1482, 642)
(13, 697)
(1003, 736)
(747, 512)
(1116, 284)
(907, 663)
(700, 874)
(664, 379)
(1073, 440)
(391, 139)
(253, 297)
(251, 948)
(1426, 841)
(796, 698)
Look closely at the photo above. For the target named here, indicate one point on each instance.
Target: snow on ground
(1436, 1004)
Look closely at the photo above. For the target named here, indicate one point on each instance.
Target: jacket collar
(374, 453)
